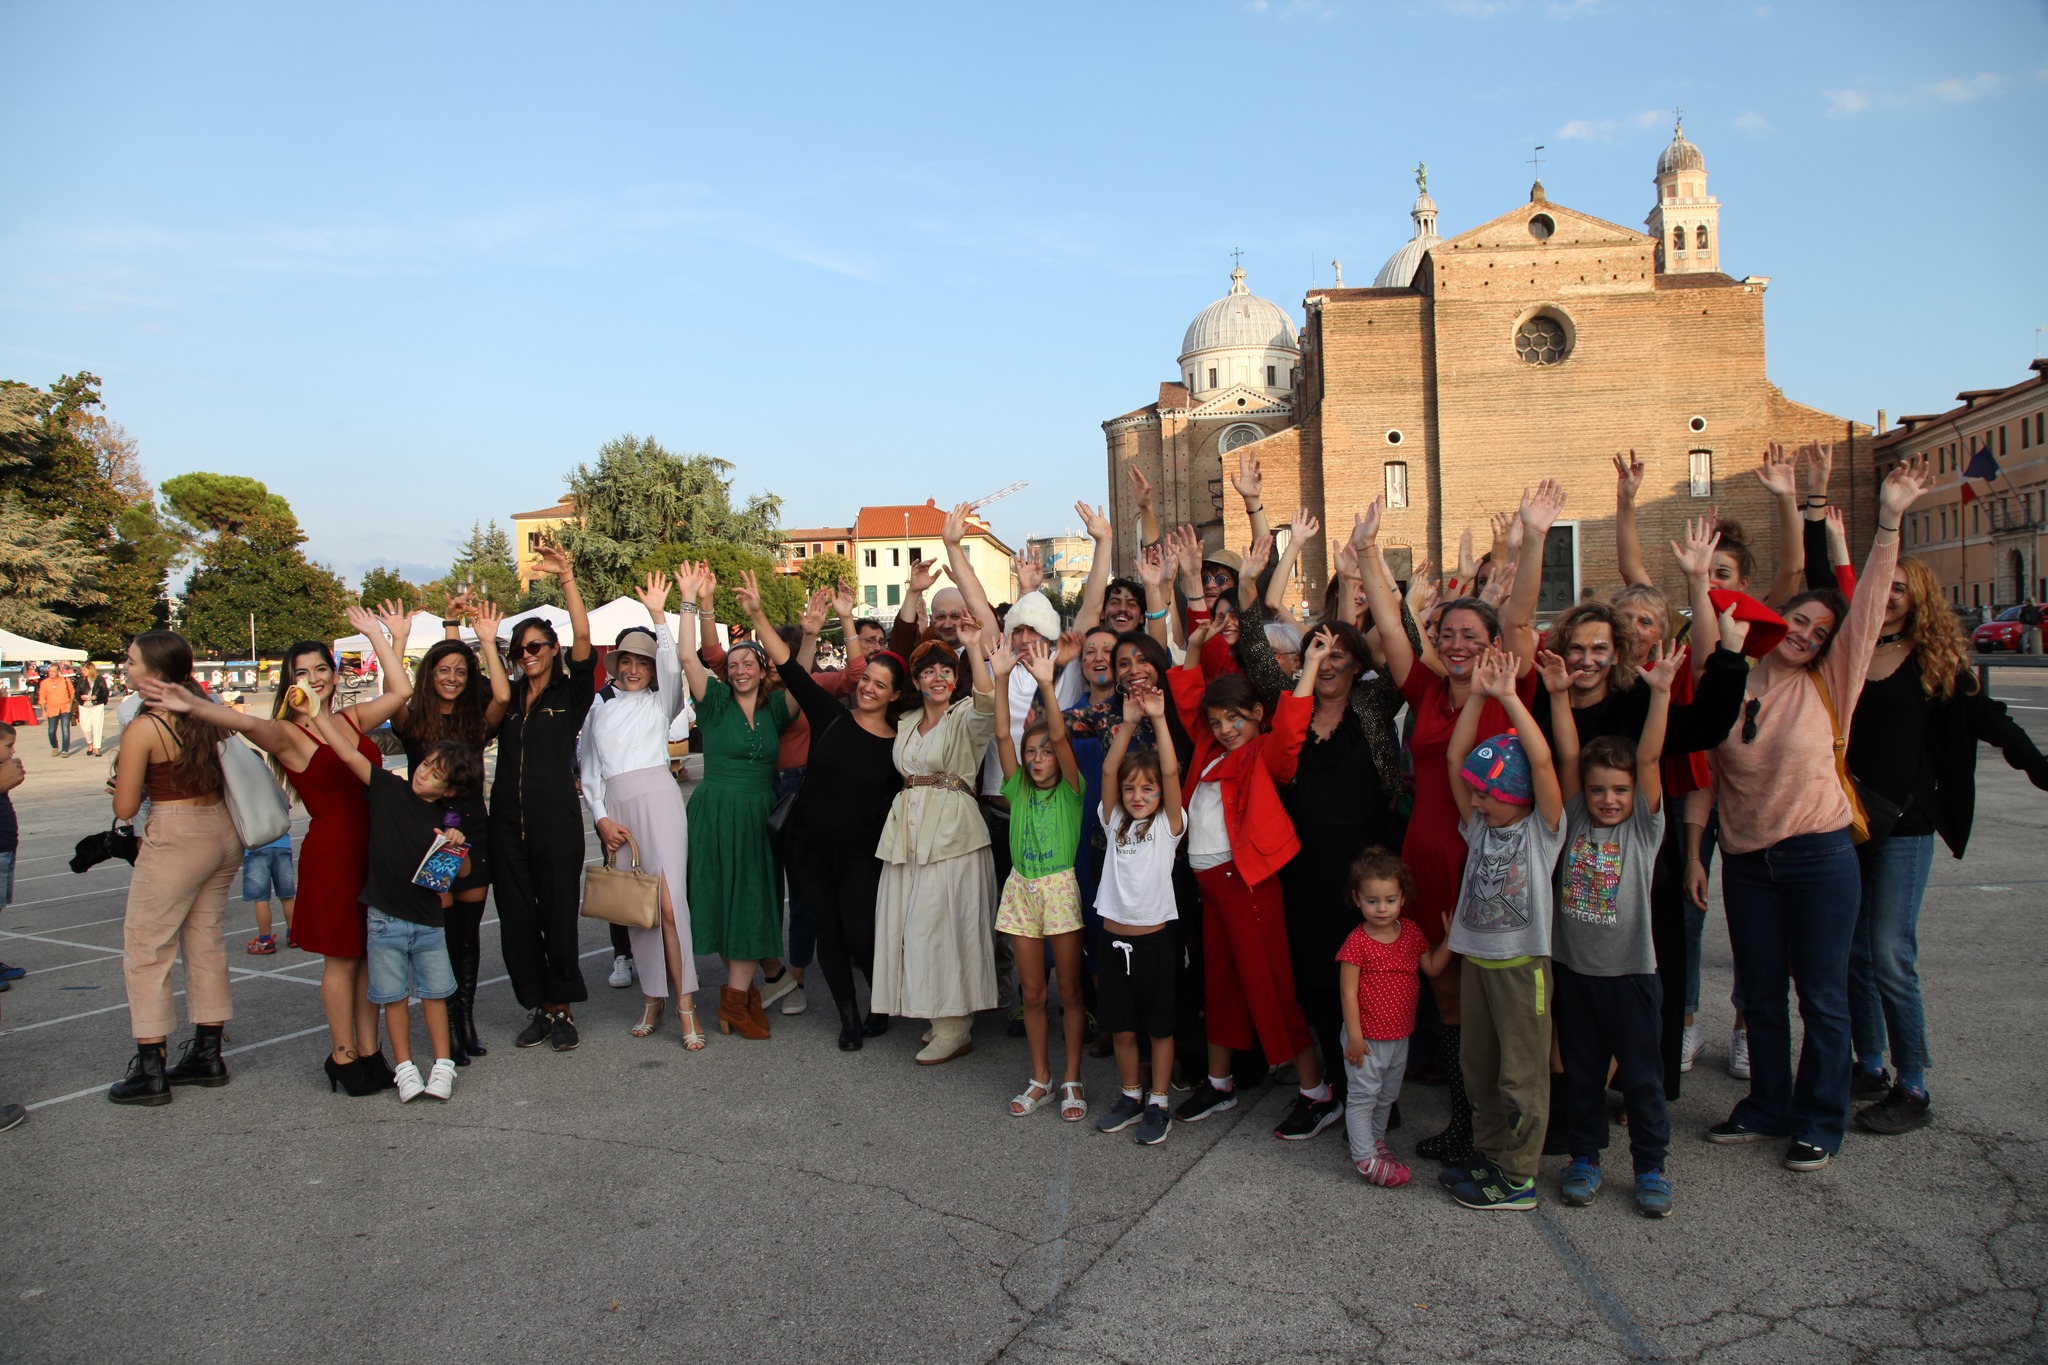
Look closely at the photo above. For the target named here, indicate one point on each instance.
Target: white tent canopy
(425, 632)
(17, 649)
(554, 616)
(605, 622)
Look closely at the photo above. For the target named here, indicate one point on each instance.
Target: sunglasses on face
(1749, 710)
(534, 646)
(1220, 576)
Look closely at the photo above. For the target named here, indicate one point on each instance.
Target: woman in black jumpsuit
(537, 817)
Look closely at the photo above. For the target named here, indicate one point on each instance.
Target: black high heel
(339, 1073)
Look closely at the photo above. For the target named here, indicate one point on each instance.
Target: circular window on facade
(1541, 225)
(1240, 436)
(1697, 425)
(1394, 437)
(1541, 340)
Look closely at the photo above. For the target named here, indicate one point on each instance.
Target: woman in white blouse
(627, 785)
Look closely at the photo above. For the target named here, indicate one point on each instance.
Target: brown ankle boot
(734, 1017)
(755, 1010)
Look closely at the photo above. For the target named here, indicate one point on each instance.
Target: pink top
(1784, 783)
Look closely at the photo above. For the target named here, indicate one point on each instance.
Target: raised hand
(653, 595)
(553, 559)
(1365, 528)
(1304, 527)
(1468, 563)
(1776, 473)
(1037, 661)
(1152, 702)
(1817, 462)
(1069, 648)
(489, 616)
(1494, 674)
(364, 621)
(1501, 586)
(1155, 567)
(1903, 487)
(956, 523)
(1628, 476)
(1422, 587)
(1662, 665)
(165, 696)
(1502, 521)
(1733, 632)
(1696, 555)
(1203, 632)
(1316, 649)
(1141, 487)
(1257, 556)
(842, 598)
(1094, 523)
(1540, 508)
(923, 573)
(1001, 658)
(1249, 479)
(689, 581)
(1030, 570)
(1134, 705)
(970, 637)
(1555, 672)
(396, 620)
(749, 593)
(816, 608)
(1345, 558)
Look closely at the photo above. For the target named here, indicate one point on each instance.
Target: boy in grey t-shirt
(1609, 998)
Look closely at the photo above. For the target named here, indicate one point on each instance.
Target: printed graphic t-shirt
(1603, 892)
(1504, 899)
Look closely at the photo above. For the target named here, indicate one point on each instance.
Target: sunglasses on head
(1749, 710)
(535, 646)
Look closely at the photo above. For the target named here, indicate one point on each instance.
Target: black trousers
(841, 893)
(1599, 1017)
(464, 933)
(539, 889)
(1319, 918)
(1668, 940)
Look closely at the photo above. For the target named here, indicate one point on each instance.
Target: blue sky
(409, 264)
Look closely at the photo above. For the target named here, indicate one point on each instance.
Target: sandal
(263, 945)
(1073, 1107)
(650, 1019)
(693, 1036)
(1035, 1094)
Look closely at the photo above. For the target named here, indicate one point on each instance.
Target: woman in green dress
(735, 886)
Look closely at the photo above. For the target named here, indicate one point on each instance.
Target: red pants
(1248, 973)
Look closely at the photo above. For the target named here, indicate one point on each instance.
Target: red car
(2000, 632)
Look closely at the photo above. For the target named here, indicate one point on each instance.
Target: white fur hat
(1035, 610)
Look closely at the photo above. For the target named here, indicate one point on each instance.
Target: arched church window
(1541, 340)
(1240, 435)
(1700, 237)
(1678, 239)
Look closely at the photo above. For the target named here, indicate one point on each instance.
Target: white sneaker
(1689, 1047)
(407, 1078)
(622, 973)
(441, 1080)
(1738, 1054)
(794, 1002)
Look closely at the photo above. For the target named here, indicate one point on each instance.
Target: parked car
(2000, 632)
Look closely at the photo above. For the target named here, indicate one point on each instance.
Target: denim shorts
(267, 873)
(407, 961)
(7, 877)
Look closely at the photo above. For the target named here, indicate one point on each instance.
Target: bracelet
(1882, 527)
(1254, 511)
(1159, 615)
(446, 622)
(686, 608)
(1816, 500)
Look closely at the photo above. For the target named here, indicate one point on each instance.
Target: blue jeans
(1884, 981)
(60, 732)
(268, 871)
(407, 960)
(1792, 912)
(803, 938)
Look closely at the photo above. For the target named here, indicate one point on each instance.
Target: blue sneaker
(1496, 1191)
(8, 973)
(1579, 1182)
(1653, 1195)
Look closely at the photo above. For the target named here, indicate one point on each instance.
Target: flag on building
(1982, 464)
(1969, 493)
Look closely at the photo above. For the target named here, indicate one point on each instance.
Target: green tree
(640, 497)
(388, 585)
(827, 571)
(485, 562)
(133, 583)
(43, 567)
(227, 504)
(781, 597)
(266, 574)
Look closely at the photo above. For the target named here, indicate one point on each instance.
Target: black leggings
(539, 891)
(465, 941)
(841, 893)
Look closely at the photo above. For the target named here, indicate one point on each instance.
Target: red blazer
(1261, 834)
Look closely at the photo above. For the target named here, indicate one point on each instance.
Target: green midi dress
(735, 885)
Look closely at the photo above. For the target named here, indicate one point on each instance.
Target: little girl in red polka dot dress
(1377, 984)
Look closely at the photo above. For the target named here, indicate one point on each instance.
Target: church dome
(1240, 320)
(1680, 155)
(1399, 271)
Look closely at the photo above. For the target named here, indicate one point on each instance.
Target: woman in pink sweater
(1791, 881)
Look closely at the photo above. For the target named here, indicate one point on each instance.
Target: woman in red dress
(1434, 849)
(334, 859)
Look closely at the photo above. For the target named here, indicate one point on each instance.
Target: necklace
(1891, 639)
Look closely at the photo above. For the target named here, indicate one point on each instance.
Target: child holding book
(414, 828)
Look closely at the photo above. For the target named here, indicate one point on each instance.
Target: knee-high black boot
(1453, 1146)
(462, 958)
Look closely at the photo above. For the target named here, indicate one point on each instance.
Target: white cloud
(1844, 103)
(1650, 118)
(1753, 123)
(1588, 130)
(1958, 90)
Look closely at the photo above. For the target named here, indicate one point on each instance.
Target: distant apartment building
(529, 529)
(888, 540)
(807, 543)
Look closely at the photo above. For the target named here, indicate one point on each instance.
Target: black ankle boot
(144, 1083)
(874, 1026)
(199, 1062)
(849, 1026)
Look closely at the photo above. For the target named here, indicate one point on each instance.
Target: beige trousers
(179, 895)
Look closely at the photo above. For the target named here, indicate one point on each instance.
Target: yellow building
(888, 540)
(529, 528)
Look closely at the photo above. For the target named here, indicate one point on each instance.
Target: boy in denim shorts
(267, 871)
(408, 948)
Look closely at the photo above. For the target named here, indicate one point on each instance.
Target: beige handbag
(628, 897)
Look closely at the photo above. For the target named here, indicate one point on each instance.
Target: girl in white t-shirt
(1141, 953)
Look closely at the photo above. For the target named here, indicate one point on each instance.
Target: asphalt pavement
(782, 1201)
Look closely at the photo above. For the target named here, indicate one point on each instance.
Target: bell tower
(1687, 220)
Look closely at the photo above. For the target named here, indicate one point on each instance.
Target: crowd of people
(1215, 840)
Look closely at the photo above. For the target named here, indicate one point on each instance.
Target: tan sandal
(693, 1036)
(650, 1019)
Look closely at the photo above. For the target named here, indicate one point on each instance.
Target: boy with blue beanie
(1514, 830)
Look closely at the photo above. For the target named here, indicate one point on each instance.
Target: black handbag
(1880, 812)
(94, 849)
(779, 817)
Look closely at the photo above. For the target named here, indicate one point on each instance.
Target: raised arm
(812, 623)
(1838, 552)
(555, 560)
(1499, 682)
(1038, 661)
(1304, 528)
(923, 573)
(1695, 558)
(1658, 672)
(1518, 619)
(694, 583)
(275, 738)
(489, 616)
(1113, 758)
(1155, 568)
(1628, 547)
(1564, 726)
(387, 631)
(1096, 586)
(1153, 702)
(1464, 737)
(1148, 517)
(1780, 479)
(340, 738)
(1378, 581)
(962, 572)
(1001, 662)
(849, 628)
(1250, 484)
(1255, 558)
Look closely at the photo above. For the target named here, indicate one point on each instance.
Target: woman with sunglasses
(456, 696)
(1914, 743)
(735, 884)
(1791, 879)
(537, 818)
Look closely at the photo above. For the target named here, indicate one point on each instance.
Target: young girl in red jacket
(1238, 838)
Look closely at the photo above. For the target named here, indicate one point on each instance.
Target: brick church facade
(1534, 345)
